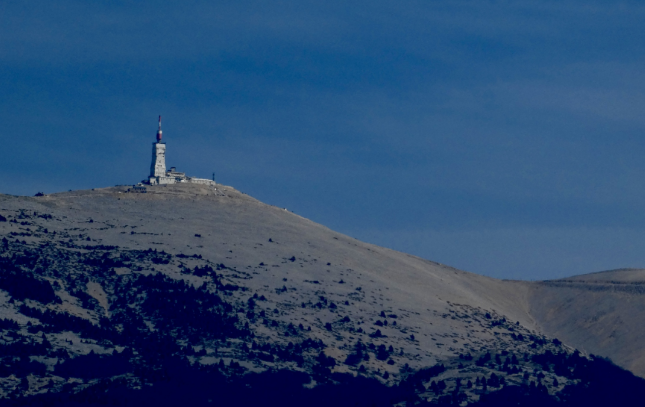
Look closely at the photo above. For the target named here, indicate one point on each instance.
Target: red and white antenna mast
(159, 131)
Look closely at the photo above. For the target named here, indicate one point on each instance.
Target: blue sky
(503, 138)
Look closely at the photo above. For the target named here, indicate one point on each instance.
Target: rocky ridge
(220, 283)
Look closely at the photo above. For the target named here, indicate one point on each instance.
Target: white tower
(159, 175)
(158, 167)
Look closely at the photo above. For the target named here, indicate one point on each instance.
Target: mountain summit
(114, 294)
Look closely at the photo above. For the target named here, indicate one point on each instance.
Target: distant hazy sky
(505, 138)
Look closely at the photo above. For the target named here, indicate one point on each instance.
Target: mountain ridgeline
(195, 295)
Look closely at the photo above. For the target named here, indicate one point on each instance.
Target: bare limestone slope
(244, 233)
(600, 313)
(299, 281)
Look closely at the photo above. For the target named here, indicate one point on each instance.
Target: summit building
(158, 173)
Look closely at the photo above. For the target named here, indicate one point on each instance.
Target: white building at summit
(158, 173)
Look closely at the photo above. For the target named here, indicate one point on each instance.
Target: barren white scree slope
(226, 285)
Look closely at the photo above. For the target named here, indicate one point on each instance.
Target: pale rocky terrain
(601, 313)
(309, 282)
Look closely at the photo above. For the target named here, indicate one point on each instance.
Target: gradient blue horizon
(502, 138)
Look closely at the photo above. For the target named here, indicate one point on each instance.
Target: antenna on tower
(159, 131)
